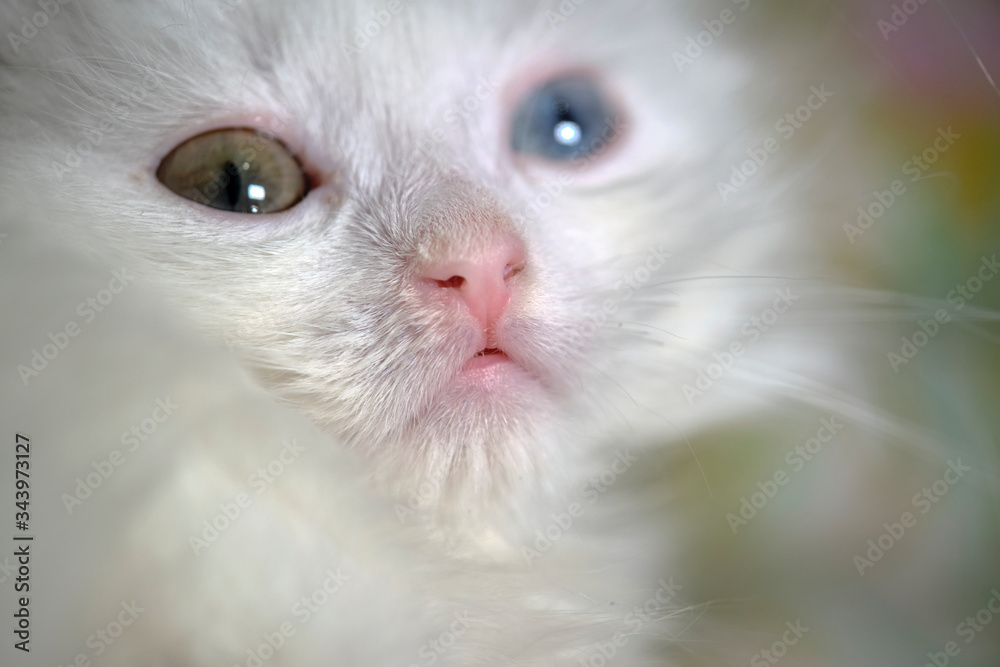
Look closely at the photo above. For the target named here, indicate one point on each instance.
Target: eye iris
(235, 169)
(560, 120)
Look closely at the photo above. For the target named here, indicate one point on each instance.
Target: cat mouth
(491, 370)
(496, 368)
(486, 358)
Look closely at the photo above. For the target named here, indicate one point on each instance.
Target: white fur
(314, 305)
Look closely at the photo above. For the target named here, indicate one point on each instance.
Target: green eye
(235, 169)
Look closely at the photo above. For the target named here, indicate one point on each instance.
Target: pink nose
(481, 279)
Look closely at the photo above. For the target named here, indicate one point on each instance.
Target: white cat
(506, 268)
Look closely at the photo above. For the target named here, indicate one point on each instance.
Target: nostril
(480, 278)
(455, 282)
(512, 270)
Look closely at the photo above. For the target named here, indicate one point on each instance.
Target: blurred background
(931, 97)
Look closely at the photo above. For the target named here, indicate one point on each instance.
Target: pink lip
(485, 359)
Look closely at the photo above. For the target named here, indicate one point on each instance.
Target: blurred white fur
(312, 306)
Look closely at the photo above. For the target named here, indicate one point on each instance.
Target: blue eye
(562, 120)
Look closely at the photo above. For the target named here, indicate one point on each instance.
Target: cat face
(457, 217)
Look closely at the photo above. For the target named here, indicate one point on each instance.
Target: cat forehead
(374, 38)
(383, 60)
(420, 49)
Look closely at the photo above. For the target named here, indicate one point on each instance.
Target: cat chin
(479, 440)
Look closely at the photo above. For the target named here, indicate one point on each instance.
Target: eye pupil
(235, 185)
